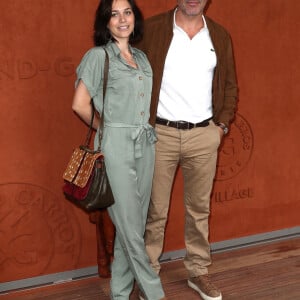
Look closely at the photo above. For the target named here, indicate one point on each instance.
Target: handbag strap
(105, 78)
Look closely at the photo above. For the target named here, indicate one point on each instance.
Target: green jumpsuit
(128, 145)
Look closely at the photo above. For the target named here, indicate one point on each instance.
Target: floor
(267, 272)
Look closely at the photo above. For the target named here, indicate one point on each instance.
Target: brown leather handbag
(85, 179)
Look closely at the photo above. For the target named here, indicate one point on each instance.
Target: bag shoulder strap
(105, 78)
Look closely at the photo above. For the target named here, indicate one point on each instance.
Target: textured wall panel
(256, 188)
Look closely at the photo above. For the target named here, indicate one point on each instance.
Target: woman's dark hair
(103, 14)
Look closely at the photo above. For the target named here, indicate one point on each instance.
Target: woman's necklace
(128, 57)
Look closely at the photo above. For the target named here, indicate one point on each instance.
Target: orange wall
(256, 186)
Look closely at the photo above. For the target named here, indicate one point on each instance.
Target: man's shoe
(204, 287)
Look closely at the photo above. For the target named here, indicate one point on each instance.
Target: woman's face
(121, 23)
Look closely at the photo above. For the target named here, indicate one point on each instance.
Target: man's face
(191, 7)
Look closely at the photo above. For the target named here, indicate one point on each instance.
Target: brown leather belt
(182, 124)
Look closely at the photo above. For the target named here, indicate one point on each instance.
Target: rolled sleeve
(90, 70)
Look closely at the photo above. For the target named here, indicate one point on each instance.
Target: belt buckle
(183, 125)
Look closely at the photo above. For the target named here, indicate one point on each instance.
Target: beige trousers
(195, 151)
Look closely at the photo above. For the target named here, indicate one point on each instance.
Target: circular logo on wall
(236, 149)
(38, 233)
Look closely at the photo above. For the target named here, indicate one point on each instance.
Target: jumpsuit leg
(120, 269)
(131, 185)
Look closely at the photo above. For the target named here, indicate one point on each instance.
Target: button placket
(141, 95)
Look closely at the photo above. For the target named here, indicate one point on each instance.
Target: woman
(128, 139)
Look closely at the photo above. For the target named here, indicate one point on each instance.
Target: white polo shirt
(186, 89)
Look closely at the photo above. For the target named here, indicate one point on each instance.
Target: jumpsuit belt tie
(137, 138)
(137, 134)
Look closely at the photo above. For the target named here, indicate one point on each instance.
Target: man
(193, 101)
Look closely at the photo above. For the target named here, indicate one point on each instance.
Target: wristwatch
(223, 126)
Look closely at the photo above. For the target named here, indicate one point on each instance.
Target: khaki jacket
(158, 32)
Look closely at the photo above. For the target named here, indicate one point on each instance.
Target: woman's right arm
(82, 105)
